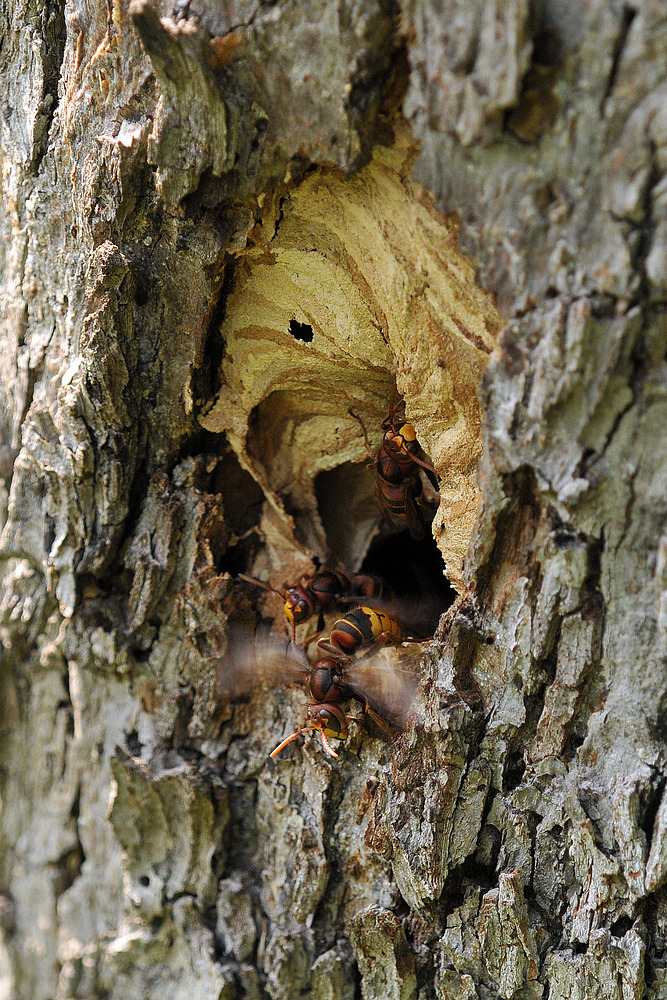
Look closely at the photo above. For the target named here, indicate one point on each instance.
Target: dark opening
(242, 501)
(413, 571)
(141, 291)
(621, 927)
(409, 567)
(348, 510)
(301, 331)
(241, 555)
(241, 495)
(650, 803)
(515, 768)
(133, 744)
(485, 859)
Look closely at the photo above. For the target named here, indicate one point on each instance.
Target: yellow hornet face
(403, 440)
(329, 720)
(407, 433)
(296, 608)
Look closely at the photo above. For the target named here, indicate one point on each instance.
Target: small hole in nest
(301, 331)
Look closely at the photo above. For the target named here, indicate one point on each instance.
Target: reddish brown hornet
(406, 483)
(336, 679)
(351, 665)
(318, 593)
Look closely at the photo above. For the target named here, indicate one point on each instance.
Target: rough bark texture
(218, 237)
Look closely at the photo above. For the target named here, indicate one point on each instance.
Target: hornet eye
(296, 611)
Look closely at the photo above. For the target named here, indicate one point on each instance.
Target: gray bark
(184, 189)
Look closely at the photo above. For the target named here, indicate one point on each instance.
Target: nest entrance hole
(409, 567)
(358, 536)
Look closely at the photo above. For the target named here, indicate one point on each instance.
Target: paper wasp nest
(360, 282)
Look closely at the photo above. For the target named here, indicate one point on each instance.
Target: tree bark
(225, 226)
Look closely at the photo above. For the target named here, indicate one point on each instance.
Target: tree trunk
(229, 228)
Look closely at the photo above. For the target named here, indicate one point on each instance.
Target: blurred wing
(381, 682)
(256, 655)
(421, 502)
(415, 516)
